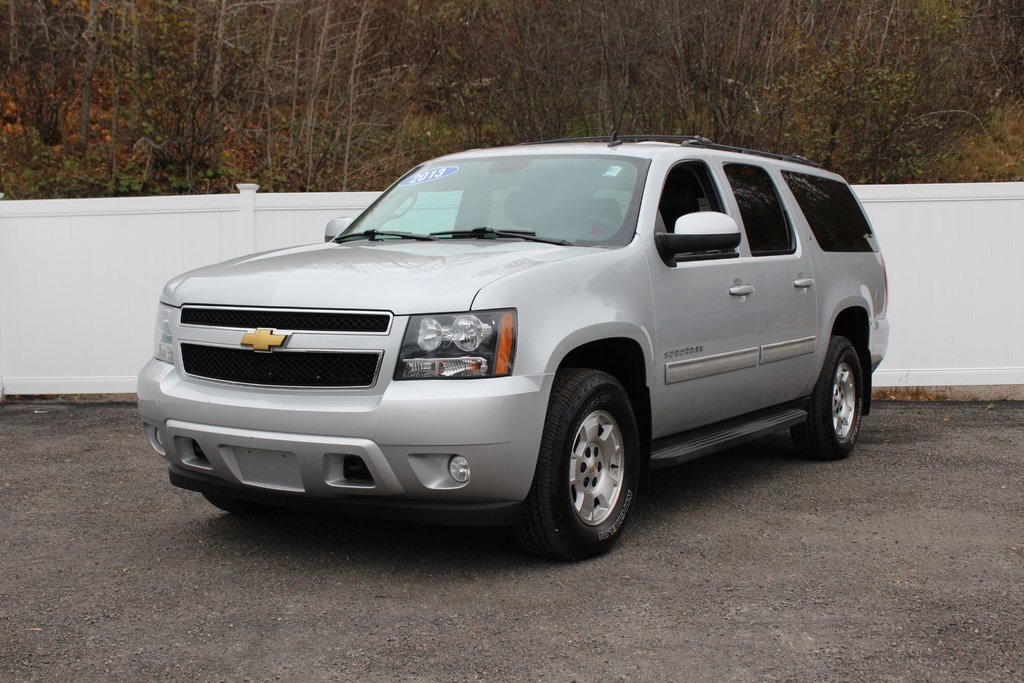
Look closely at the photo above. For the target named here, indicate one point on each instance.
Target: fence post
(247, 215)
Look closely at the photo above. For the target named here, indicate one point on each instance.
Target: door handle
(741, 290)
(803, 282)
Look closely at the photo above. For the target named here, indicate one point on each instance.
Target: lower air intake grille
(280, 368)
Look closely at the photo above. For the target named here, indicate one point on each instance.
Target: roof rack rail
(615, 140)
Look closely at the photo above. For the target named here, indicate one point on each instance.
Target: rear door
(783, 281)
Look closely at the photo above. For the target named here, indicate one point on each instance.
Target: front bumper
(294, 447)
(428, 512)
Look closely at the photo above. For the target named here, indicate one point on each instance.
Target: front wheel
(834, 411)
(587, 469)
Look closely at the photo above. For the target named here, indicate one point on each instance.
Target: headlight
(163, 347)
(458, 345)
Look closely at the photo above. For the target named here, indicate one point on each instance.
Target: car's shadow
(698, 484)
(673, 495)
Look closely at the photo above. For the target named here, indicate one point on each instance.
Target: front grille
(292, 320)
(295, 369)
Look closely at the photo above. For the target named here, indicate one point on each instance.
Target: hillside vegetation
(128, 97)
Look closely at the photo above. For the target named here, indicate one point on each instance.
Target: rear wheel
(587, 469)
(834, 411)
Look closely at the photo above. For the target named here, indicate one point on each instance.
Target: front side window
(832, 212)
(764, 219)
(581, 199)
(688, 189)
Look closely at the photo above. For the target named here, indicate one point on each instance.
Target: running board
(672, 450)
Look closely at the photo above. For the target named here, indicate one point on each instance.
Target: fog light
(458, 467)
(155, 441)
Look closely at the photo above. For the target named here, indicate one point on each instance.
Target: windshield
(582, 200)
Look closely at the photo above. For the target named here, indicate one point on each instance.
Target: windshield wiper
(478, 233)
(376, 235)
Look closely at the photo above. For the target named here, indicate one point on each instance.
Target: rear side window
(832, 212)
(764, 220)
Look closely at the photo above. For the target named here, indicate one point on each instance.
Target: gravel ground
(904, 562)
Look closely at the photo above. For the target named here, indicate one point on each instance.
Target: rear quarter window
(832, 212)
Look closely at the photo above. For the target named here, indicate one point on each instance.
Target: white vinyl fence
(80, 278)
(955, 257)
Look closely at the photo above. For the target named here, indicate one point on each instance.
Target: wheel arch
(624, 359)
(852, 322)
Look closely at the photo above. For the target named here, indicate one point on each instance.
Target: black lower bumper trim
(449, 514)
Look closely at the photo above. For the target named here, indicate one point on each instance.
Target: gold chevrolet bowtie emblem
(263, 340)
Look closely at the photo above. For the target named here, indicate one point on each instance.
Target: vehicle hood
(403, 277)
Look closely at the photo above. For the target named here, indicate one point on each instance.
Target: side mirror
(703, 231)
(336, 226)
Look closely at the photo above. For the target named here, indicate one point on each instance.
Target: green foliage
(129, 97)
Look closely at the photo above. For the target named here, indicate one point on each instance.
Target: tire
(835, 408)
(235, 506)
(587, 469)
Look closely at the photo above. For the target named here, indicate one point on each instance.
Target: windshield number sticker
(430, 175)
(612, 171)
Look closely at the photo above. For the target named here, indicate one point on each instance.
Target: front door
(706, 327)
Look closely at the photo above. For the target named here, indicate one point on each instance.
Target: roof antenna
(613, 139)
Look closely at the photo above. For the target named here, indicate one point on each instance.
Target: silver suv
(521, 336)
